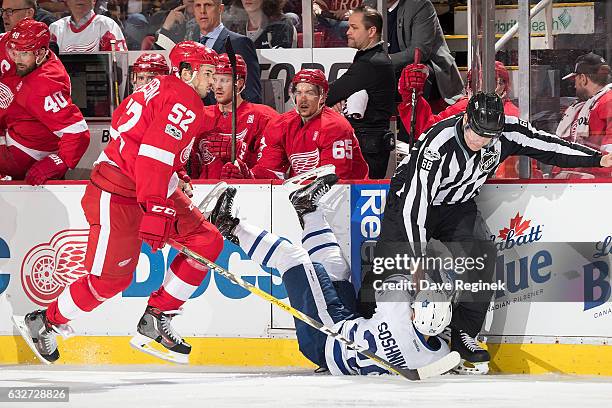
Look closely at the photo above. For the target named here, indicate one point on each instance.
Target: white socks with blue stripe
(268, 249)
(322, 246)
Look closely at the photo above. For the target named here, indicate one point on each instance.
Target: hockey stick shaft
(231, 55)
(115, 73)
(412, 136)
(407, 373)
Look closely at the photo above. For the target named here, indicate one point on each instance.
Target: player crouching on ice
(316, 277)
(132, 197)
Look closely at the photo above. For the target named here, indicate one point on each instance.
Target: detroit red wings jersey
(6, 64)
(41, 118)
(251, 120)
(290, 146)
(94, 35)
(153, 131)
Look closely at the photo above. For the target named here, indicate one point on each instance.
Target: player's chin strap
(44, 57)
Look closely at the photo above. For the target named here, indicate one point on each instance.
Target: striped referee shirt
(442, 170)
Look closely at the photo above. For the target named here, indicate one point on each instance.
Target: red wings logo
(302, 162)
(517, 226)
(48, 268)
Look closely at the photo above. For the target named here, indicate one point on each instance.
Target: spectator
(589, 120)
(13, 11)
(332, 19)
(371, 71)
(177, 22)
(265, 24)
(45, 132)
(412, 24)
(213, 34)
(212, 148)
(57, 7)
(86, 31)
(310, 136)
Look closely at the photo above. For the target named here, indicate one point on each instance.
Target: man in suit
(414, 23)
(211, 32)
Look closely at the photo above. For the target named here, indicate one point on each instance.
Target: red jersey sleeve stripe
(156, 153)
(78, 127)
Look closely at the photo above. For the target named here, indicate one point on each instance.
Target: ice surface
(202, 387)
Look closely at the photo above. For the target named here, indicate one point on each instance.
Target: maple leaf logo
(517, 225)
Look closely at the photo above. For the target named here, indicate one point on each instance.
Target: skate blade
(205, 206)
(295, 182)
(443, 365)
(19, 322)
(467, 368)
(140, 342)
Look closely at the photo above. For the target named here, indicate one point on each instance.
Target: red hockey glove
(220, 146)
(51, 167)
(157, 222)
(236, 170)
(412, 77)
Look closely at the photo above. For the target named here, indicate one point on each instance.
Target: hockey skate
(305, 199)
(155, 325)
(222, 217)
(208, 203)
(39, 334)
(474, 359)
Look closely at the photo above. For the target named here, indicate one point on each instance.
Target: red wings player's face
(143, 78)
(222, 86)
(307, 99)
(204, 79)
(25, 61)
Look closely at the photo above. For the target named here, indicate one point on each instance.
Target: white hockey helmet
(432, 312)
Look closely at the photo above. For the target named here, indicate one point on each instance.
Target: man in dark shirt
(371, 71)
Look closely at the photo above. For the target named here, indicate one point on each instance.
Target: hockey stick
(438, 367)
(231, 55)
(411, 135)
(115, 73)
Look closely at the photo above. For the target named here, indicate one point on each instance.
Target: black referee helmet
(485, 114)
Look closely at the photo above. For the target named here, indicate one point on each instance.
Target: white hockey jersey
(94, 35)
(389, 334)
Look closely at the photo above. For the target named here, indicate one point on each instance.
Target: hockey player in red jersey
(414, 77)
(213, 146)
(146, 67)
(133, 198)
(45, 132)
(310, 136)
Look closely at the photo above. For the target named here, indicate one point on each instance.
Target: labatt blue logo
(519, 233)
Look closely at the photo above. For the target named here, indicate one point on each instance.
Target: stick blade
(443, 365)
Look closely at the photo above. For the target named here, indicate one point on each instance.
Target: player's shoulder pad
(333, 121)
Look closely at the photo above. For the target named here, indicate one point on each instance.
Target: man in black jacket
(211, 32)
(371, 71)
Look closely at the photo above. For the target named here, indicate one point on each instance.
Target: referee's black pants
(462, 230)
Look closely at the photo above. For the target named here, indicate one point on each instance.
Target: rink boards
(554, 243)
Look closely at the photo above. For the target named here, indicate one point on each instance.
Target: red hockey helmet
(193, 53)
(225, 68)
(500, 73)
(151, 62)
(311, 76)
(29, 35)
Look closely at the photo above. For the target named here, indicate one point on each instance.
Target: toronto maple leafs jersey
(442, 170)
(389, 334)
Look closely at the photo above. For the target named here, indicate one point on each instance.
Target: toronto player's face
(307, 99)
